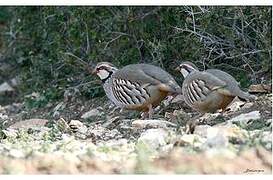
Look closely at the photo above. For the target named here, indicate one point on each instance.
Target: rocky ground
(77, 136)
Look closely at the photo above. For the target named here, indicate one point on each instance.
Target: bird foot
(200, 119)
(190, 126)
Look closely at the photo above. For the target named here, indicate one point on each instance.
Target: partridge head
(104, 70)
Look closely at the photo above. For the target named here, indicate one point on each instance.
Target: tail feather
(244, 96)
(176, 89)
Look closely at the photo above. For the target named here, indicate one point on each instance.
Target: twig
(82, 62)
(109, 42)
(83, 84)
(193, 19)
(87, 40)
(247, 53)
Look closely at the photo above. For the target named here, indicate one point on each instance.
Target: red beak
(94, 71)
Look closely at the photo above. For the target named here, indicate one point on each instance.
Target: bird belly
(213, 102)
(156, 96)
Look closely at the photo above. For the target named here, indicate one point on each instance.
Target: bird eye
(99, 68)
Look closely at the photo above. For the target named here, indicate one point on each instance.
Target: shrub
(37, 42)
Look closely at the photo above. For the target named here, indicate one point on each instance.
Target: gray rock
(142, 124)
(16, 153)
(216, 139)
(5, 87)
(267, 139)
(202, 130)
(154, 138)
(63, 125)
(70, 94)
(3, 116)
(56, 110)
(10, 132)
(99, 133)
(30, 123)
(245, 118)
(191, 139)
(91, 113)
(79, 128)
(14, 82)
(178, 98)
(220, 135)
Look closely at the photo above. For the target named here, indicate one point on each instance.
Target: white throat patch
(184, 72)
(103, 74)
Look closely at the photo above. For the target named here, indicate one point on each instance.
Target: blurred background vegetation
(44, 48)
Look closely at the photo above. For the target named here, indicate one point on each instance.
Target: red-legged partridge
(209, 90)
(137, 86)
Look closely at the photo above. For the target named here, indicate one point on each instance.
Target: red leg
(151, 111)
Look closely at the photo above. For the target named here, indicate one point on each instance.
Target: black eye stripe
(186, 67)
(101, 68)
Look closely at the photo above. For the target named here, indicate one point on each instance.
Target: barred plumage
(132, 93)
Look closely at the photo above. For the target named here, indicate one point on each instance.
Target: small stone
(222, 152)
(191, 139)
(167, 101)
(29, 123)
(78, 126)
(76, 123)
(16, 153)
(142, 124)
(215, 138)
(117, 143)
(208, 117)
(59, 106)
(91, 113)
(33, 95)
(3, 116)
(154, 138)
(70, 94)
(10, 133)
(260, 88)
(267, 139)
(188, 138)
(245, 118)
(202, 130)
(14, 82)
(5, 87)
(63, 125)
(110, 121)
(220, 133)
(235, 106)
(98, 133)
(178, 98)
(66, 137)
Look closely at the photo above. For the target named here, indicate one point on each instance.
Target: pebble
(154, 138)
(5, 87)
(245, 118)
(10, 133)
(16, 153)
(192, 139)
(141, 124)
(91, 113)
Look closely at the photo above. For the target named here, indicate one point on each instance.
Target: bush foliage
(44, 45)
